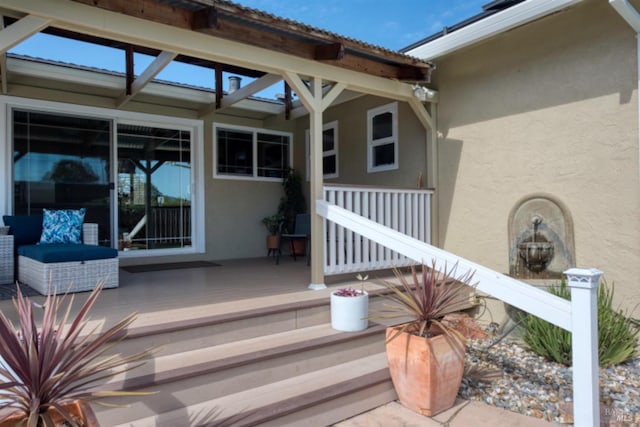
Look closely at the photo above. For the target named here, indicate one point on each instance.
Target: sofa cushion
(62, 226)
(65, 252)
(26, 229)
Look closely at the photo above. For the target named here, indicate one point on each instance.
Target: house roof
(228, 20)
(488, 9)
(497, 17)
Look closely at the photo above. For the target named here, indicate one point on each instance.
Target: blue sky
(393, 24)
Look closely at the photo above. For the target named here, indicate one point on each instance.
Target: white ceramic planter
(349, 314)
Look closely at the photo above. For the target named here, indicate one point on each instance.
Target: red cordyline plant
(425, 298)
(52, 364)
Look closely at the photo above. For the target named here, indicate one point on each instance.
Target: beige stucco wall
(550, 107)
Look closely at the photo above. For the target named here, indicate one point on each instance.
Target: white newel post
(583, 283)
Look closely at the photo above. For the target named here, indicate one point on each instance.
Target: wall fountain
(541, 244)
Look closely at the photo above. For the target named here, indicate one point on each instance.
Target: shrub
(617, 332)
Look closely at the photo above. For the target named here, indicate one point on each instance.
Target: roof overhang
(493, 25)
(157, 26)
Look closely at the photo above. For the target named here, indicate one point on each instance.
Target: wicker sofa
(65, 267)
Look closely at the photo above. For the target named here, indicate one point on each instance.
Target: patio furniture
(61, 267)
(302, 232)
(6, 259)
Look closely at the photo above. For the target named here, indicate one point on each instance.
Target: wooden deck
(196, 288)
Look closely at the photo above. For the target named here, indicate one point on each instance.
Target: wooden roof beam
(232, 23)
(146, 76)
(242, 93)
(21, 30)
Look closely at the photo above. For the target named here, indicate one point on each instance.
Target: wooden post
(584, 345)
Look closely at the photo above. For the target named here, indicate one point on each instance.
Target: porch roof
(224, 37)
(228, 20)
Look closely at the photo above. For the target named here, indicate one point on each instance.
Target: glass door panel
(154, 187)
(62, 162)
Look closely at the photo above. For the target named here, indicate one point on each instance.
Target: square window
(247, 153)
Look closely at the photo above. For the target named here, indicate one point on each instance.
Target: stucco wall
(550, 107)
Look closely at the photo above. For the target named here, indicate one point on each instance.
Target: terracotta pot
(273, 241)
(299, 247)
(426, 373)
(79, 409)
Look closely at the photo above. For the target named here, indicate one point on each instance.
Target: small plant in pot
(50, 370)
(426, 353)
(350, 309)
(272, 223)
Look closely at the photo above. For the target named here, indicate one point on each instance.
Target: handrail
(578, 316)
(531, 299)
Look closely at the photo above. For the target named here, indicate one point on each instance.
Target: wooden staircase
(271, 361)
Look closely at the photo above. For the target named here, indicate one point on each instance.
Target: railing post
(584, 334)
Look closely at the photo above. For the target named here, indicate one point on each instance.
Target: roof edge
(490, 26)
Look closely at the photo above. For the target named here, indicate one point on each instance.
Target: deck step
(177, 330)
(208, 373)
(215, 358)
(321, 397)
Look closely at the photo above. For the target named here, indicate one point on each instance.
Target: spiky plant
(56, 362)
(617, 332)
(425, 298)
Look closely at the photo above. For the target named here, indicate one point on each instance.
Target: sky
(393, 24)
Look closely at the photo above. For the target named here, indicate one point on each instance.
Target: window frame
(196, 127)
(334, 152)
(254, 141)
(372, 144)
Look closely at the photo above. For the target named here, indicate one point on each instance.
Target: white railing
(405, 210)
(578, 316)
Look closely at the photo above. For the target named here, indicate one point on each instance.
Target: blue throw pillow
(62, 226)
(26, 229)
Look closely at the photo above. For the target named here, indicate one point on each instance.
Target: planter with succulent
(52, 369)
(426, 353)
(349, 309)
(272, 223)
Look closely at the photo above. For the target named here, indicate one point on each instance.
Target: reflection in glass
(62, 162)
(154, 187)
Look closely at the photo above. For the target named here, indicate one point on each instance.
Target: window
(329, 150)
(246, 153)
(382, 138)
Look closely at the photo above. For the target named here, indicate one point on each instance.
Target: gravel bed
(521, 381)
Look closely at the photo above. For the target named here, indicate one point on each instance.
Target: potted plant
(426, 353)
(272, 223)
(291, 204)
(349, 309)
(51, 369)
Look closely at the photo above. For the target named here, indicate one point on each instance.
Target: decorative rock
(531, 385)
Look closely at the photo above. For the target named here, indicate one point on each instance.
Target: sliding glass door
(154, 187)
(62, 162)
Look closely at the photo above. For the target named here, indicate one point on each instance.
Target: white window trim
(388, 108)
(8, 103)
(255, 132)
(307, 144)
